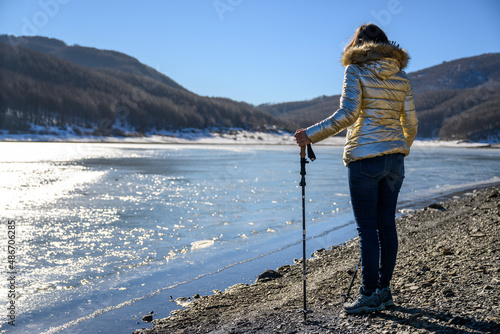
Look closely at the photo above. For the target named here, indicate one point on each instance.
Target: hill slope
(45, 82)
(88, 57)
(459, 99)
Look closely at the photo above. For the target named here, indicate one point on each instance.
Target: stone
(448, 293)
(494, 194)
(147, 318)
(437, 206)
(182, 301)
(268, 275)
(428, 283)
(447, 251)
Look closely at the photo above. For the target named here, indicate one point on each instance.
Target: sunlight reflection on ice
(201, 244)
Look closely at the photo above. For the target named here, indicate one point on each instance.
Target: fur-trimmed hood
(375, 51)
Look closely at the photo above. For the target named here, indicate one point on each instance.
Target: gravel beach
(447, 280)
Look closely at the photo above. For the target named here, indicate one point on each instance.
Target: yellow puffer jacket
(376, 104)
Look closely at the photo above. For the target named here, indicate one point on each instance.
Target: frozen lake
(106, 233)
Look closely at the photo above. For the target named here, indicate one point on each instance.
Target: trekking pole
(303, 162)
(346, 296)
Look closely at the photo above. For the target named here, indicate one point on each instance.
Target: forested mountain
(88, 57)
(45, 82)
(459, 99)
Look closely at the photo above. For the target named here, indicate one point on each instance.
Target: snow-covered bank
(454, 143)
(184, 136)
(215, 136)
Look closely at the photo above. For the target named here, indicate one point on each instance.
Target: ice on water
(108, 226)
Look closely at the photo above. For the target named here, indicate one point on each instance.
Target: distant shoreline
(214, 137)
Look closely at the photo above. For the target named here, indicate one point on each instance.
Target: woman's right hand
(301, 137)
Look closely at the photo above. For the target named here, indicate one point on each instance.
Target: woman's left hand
(301, 137)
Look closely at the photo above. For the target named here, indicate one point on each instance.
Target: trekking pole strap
(310, 153)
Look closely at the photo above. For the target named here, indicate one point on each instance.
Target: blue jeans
(374, 184)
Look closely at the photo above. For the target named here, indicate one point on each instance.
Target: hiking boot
(365, 304)
(386, 297)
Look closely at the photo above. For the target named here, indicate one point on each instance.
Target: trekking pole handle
(303, 151)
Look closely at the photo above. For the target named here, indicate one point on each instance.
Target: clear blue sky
(258, 51)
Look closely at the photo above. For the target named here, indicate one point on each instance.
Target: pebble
(147, 318)
(267, 276)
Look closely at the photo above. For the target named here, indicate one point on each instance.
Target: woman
(377, 108)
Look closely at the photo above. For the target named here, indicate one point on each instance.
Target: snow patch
(212, 136)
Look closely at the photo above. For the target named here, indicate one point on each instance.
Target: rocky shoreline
(447, 280)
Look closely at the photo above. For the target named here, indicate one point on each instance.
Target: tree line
(456, 100)
(43, 89)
